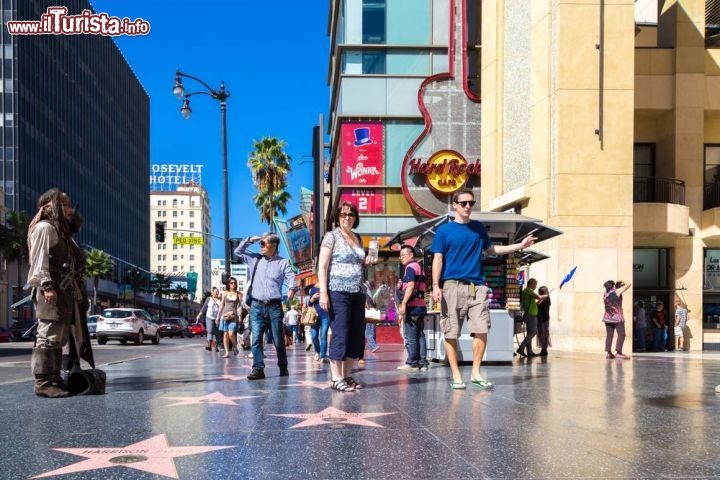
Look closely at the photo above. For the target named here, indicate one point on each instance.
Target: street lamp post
(220, 95)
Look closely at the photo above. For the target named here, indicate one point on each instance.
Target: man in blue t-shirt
(459, 283)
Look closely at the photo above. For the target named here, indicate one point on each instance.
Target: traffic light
(160, 232)
(234, 243)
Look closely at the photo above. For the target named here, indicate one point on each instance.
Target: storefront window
(650, 268)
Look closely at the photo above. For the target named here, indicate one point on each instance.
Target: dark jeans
(347, 322)
(319, 333)
(531, 325)
(640, 338)
(414, 333)
(659, 339)
(267, 318)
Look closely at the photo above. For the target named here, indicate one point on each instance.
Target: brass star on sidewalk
(152, 455)
(216, 398)
(332, 415)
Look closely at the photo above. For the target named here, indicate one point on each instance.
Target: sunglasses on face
(347, 215)
(465, 203)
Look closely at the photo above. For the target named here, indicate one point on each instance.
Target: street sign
(188, 241)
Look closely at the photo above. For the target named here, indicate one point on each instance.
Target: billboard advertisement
(362, 165)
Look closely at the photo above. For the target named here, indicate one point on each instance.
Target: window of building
(712, 23)
(192, 225)
(712, 177)
(399, 14)
(175, 225)
(174, 257)
(175, 202)
(175, 213)
(192, 214)
(373, 21)
(192, 257)
(175, 268)
(644, 160)
(159, 257)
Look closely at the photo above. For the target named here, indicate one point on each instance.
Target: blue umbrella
(568, 277)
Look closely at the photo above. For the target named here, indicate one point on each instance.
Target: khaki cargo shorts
(460, 301)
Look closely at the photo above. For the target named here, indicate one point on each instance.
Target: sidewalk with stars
(194, 415)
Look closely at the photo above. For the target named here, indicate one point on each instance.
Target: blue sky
(273, 57)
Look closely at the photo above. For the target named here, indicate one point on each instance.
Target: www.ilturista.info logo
(57, 22)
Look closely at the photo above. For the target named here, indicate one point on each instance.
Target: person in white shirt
(292, 319)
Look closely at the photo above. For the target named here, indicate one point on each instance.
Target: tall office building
(185, 251)
(601, 127)
(75, 116)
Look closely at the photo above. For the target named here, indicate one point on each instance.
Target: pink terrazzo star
(308, 383)
(152, 455)
(332, 415)
(233, 377)
(216, 398)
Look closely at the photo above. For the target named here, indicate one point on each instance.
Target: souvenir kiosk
(501, 275)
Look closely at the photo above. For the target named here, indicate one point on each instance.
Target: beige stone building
(609, 130)
(186, 213)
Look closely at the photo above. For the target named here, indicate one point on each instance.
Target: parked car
(126, 324)
(23, 331)
(175, 326)
(198, 328)
(6, 335)
(92, 325)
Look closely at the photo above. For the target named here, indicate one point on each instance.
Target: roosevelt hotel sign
(169, 176)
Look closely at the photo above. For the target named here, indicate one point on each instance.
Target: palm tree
(98, 264)
(137, 280)
(13, 242)
(160, 286)
(270, 166)
(179, 293)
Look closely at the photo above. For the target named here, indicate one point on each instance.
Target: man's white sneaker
(405, 366)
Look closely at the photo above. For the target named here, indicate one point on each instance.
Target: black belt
(464, 282)
(272, 301)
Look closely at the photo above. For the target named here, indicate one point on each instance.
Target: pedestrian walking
(210, 310)
(458, 283)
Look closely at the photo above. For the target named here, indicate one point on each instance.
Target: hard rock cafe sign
(445, 172)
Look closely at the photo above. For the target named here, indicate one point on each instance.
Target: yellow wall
(577, 183)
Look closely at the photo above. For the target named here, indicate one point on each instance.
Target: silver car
(126, 324)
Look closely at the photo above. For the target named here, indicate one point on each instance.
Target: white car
(126, 324)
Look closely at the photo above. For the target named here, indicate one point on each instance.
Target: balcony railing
(658, 190)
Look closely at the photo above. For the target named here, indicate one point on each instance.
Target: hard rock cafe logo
(446, 171)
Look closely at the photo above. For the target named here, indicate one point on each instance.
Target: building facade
(185, 251)
(237, 270)
(604, 128)
(75, 116)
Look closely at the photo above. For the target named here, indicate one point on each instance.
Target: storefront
(502, 274)
(711, 300)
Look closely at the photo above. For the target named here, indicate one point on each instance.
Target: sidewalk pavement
(194, 415)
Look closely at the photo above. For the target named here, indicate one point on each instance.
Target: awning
(509, 227)
(529, 256)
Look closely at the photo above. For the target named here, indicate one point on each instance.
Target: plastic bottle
(373, 248)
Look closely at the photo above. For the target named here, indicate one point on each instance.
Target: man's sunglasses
(465, 203)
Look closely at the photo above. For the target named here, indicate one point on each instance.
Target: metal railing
(658, 190)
